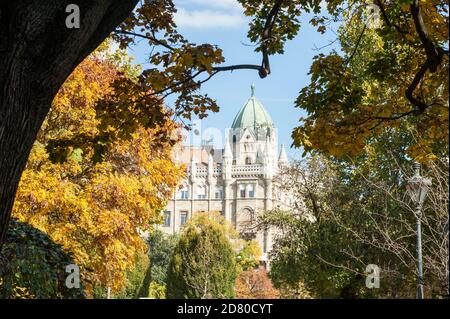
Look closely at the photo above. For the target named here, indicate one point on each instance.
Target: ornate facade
(236, 181)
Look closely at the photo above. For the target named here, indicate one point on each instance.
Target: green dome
(252, 114)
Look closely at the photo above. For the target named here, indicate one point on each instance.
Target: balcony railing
(251, 169)
(236, 170)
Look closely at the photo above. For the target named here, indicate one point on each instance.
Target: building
(237, 181)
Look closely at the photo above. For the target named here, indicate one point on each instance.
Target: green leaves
(203, 264)
(33, 266)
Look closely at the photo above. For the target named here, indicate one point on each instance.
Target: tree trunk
(37, 54)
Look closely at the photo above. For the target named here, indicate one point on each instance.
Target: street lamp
(417, 188)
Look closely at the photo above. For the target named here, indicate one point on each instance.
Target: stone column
(268, 194)
(193, 184)
(227, 200)
(174, 213)
(210, 191)
(268, 206)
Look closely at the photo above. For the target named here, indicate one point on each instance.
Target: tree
(34, 69)
(161, 249)
(95, 209)
(33, 266)
(136, 285)
(255, 284)
(379, 215)
(387, 73)
(248, 256)
(355, 213)
(204, 263)
(30, 81)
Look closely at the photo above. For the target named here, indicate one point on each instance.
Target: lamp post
(417, 188)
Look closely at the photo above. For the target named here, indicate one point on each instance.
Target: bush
(255, 284)
(161, 248)
(33, 266)
(136, 285)
(204, 263)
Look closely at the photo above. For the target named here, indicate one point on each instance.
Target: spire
(267, 161)
(210, 166)
(227, 161)
(210, 159)
(253, 89)
(193, 170)
(282, 158)
(227, 152)
(193, 158)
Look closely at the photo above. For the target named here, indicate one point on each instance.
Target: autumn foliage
(96, 209)
(255, 284)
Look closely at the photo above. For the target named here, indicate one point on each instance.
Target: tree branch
(266, 35)
(419, 105)
(434, 53)
(153, 39)
(386, 19)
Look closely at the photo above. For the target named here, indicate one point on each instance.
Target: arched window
(234, 138)
(247, 215)
(248, 160)
(245, 221)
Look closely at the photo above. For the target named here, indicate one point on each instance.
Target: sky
(223, 23)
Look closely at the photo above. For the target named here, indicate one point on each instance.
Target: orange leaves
(255, 284)
(95, 210)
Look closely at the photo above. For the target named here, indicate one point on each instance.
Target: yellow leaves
(421, 152)
(350, 104)
(95, 210)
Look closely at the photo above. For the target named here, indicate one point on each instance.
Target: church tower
(236, 181)
(253, 135)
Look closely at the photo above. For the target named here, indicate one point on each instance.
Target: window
(201, 192)
(248, 161)
(166, 218)
(251, 190)
(184, 193)
(183, 217)
(242, 191)
(219, 192)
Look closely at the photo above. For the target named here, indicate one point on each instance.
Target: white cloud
(208, 18)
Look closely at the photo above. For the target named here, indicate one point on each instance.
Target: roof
(252, 114)
(184, 154)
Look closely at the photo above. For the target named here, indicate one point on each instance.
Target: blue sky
(222, 22)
